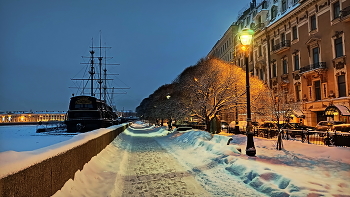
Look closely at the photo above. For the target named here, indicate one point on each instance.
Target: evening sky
(43, 41)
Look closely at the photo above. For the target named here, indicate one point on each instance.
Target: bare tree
(279, 105)
(209, 87)
(205, 89)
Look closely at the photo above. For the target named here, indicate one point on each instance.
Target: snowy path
(152, 171)
(133, 166)
(151, 162)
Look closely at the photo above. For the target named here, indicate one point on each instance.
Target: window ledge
(335, 21)
(339, 58)
(313, 31)
(295, 41)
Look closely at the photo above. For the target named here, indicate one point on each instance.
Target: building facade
(300, 48)
(31, 117)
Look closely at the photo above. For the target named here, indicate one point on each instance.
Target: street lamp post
(170, 120)
(246, 37)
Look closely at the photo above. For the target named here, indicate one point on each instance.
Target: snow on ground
(24, 138)
(133, 166)
(146, 160)
(137, 166)
(298, 170)
(22, 147)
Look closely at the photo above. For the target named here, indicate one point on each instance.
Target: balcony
(345, 14)
(259, 27)
(281, 47)
(313, 67)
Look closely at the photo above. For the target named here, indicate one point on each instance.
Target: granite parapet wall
(49, 176)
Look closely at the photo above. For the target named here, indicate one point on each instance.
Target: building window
(296, 62)
(295, 32)
(313, 24)
(273, 12)
(341, 86)
(260, 51)
(317, 85)
(273, 44)
(338, 47)
(284, 5)
(274, 70)
(336, 10)
(264, 5)
(285, 66)
(315, 55)
(261, 72)
(298, 93)
(283, 38)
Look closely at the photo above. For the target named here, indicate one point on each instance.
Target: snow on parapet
(12, 161)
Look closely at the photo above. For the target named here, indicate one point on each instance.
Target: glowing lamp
(246, 36)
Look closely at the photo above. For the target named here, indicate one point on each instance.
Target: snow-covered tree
(211, 86)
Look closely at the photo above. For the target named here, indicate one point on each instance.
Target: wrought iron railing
(285, 43)
(346, 11)
(313, 66)
(259, 26)
(307, 136)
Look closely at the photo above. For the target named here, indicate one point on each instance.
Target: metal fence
(306, 136)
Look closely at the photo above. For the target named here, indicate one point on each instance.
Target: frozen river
(24, 138)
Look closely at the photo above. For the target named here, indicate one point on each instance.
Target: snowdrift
(291, 172)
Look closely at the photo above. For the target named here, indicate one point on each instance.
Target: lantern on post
(246, 38)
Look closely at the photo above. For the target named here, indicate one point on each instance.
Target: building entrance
(320, 116)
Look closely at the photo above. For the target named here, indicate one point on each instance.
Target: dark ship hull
(87, 113)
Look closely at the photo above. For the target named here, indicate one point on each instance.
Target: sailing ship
(88, 112)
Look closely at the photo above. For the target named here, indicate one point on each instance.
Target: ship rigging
(87, 112)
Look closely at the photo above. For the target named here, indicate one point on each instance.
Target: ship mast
(92, 71)
(102, 77)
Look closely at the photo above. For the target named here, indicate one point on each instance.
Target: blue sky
(43, 41)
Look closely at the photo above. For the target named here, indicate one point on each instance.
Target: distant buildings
(31, 117)
(299, 47)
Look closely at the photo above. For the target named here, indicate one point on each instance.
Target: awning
(336, 110)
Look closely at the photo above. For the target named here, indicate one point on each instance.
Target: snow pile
(298, 170)
(216, 144)
(150, 131)
(140, 124)
(13, 161)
